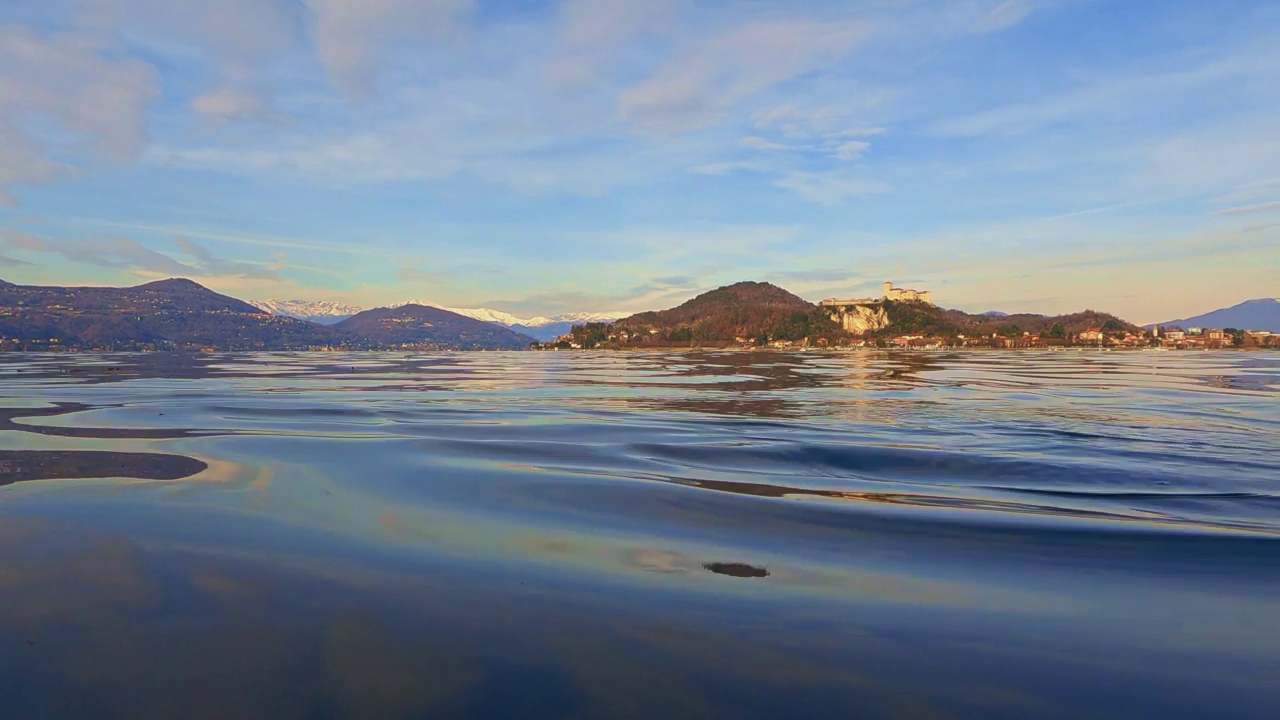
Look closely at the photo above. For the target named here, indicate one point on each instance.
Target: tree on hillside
(1057, 331)
(684, 334)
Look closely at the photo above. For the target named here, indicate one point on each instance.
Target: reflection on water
(736, 535)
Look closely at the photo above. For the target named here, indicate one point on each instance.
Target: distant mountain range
(418, 324)
(539, 328)
(1260, 314)
(327, 312)
(179, 314)
(324, 312)
(163, 315)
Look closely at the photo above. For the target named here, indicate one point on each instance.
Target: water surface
(611, 535)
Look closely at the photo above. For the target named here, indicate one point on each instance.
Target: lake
(649, 535)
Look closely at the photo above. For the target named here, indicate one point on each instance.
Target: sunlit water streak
(606, 535)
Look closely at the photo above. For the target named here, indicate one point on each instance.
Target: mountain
(423, 326)
(167, 314)
(758, 312)
(324, 312)
(927, 319)
(742, 310)
(1260, 314)
(539, 328)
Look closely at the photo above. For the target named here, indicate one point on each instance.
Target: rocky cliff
(861, 319)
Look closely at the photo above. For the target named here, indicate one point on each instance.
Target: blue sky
(596, 155)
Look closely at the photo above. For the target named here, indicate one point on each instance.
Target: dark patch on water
(24, 465)
(9, 416)
(738, 570)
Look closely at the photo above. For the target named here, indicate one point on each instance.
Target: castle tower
(888, 289)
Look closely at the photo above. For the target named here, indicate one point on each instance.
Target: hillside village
(900, 318)
(179, 314)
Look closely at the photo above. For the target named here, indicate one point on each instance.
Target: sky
(624, 155)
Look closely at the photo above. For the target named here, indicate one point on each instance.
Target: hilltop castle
(866, 314)
(902, 294)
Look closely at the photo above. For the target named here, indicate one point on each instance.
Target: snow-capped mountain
(586, 317)
(324, 312)
(539, 327)
(327, 312)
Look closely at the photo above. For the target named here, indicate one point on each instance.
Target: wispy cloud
(1006, 14)
(125, 253)
(722, 168)
(698, 86)
(414, 274)
(831, 188)
(1095, 100)
(814, 275)
(234, 105)
(207, 264)
(570, 143)
(256, 240)
(1250, 209)
(68, 104)
(350, 37)
(758, 143)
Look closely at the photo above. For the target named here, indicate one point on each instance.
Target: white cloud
(1005, 15)
(1248, 209)
(863, 132)
(1099, 100)
(1207, 159)
(67, 104)
(594, 35)
(830, 189)
(697, 86)
(851, 150)
(232, 104)
(351, 37)
(128, 254)
(758, 143)
(724, 168)
(208, 264)
(813, 130)
(794, 121)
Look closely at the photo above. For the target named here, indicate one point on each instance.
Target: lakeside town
(1097, 338)
(178, 314)
(908, 319)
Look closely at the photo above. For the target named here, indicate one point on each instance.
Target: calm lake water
(595, 535)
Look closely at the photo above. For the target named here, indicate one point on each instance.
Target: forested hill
(752, 310)
(926, 319)
(166, 314)
(756, 313)
(423, 326)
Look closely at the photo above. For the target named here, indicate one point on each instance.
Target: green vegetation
(750, 311)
